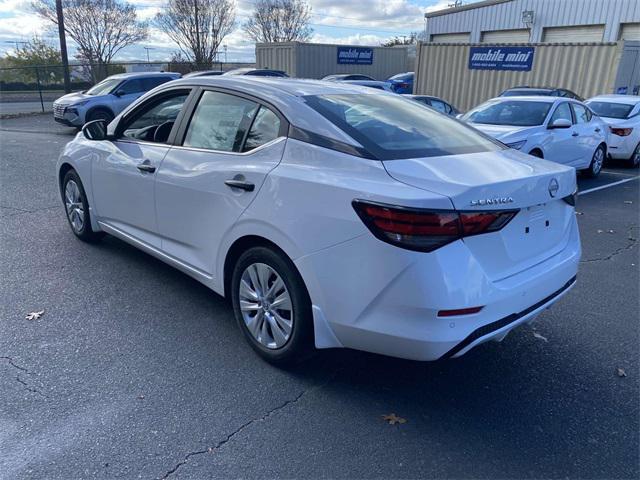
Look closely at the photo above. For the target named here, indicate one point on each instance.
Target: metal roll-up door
(520, 35)
(451, 37)
(630, 31)
(576, 34)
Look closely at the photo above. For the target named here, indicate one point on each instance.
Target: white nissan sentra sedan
(562, 130)
(622, 114)
(330, 215)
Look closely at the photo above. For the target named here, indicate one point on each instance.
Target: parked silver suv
(106, 99)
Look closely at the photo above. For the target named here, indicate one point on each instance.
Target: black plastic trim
(308, 136)
(503, 322)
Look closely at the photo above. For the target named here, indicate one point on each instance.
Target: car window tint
(220, 122)
(151, 83)
(563, 111)
(582, 114)
(131, 86)
(521, 113)
(438, 105)
(154, 124)
(611, 110)
(265, 128)
(448, 108)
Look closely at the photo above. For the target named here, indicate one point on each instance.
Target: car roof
(365, 82)
(626, 99)
(531, 98)
(144, 74)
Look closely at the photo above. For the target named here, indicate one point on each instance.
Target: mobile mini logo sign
(355, 56)
(501, 58)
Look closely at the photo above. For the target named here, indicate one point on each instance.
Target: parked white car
(622, 114)
(562, 130)
(331, 215)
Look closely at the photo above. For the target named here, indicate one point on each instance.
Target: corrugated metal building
(314, 60)
(549, 21)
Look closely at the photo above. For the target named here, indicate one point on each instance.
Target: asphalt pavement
(137, 371)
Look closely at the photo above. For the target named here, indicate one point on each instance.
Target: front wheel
(77, 208)
(595, 167)
(272, 306)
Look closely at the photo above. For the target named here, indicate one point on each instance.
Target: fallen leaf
(611, 231)
(628, 202)
(140, 397)
(540, 337)
(600, 231)
(621, 372)
(392, 419)
(34, 315)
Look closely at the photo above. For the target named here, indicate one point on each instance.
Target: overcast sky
(357, 22)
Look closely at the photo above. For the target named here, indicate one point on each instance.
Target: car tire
(597, 160)
(77, 208)
(100, 114)
(262, 277)
(634, 160)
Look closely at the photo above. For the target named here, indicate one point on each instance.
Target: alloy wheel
(635, 158)
(74, 206)
(598, 160)
(265, 304)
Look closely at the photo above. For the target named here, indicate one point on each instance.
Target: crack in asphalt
(633, 242)
(20, 211)
(26, 385)
(246, 425)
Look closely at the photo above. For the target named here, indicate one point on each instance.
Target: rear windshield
(611, 110)
(392, 127)
(526, 91)
(519, 113)
(402, 76)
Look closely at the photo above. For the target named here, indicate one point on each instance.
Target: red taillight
(621, 132)
(427, 230)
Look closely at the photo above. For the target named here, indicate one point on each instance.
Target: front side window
(582, 114)
(519, 113)
(611, 110)
(131, 86)
(154, 123)
(562, 112)
(392, 127)
(220, 122)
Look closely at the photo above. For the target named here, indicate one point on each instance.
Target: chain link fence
(33, 89)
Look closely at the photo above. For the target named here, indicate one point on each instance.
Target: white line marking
(602, 187)
(622, 174)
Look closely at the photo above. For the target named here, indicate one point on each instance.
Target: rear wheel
(272, 306)
(595, 167)
(77, 208)
(634, 160)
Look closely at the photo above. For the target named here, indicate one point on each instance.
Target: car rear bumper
(386, 300)
(621, 148)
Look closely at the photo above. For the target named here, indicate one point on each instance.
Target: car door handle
(241, 184)
(146, 167)
(575, 134)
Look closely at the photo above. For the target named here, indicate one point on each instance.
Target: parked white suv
(562, 130)
(106, 99)
(622, 114)
(331, 215)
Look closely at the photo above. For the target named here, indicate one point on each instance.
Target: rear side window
(583, 115)
(220, 122)
(153, 82)
(132, 86)
(392, 127)
(265, 128)
(438, 105)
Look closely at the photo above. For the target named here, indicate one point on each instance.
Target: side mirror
(119, 93)
(95, 130)
(560, 123)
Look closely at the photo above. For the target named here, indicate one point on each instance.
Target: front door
(204, 184)
(562, 142)
(123, 180)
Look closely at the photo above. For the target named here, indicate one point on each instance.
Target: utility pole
(197, 52)
(63, 47)
(147, 49)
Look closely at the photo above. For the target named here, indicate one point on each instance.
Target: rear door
(589, 134)
(226, 150)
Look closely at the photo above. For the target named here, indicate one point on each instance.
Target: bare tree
(100, 28)
(198, 27)
(279, 21)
